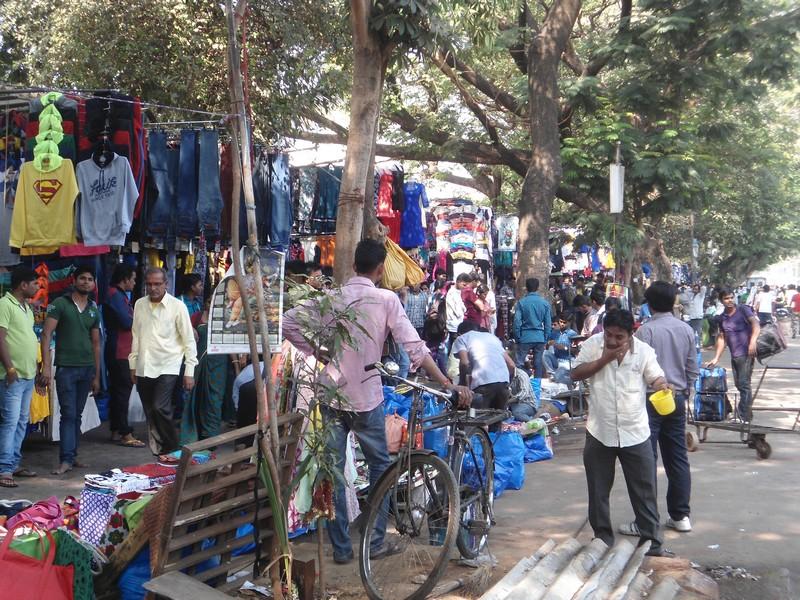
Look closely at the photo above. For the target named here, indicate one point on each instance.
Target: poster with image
(227, 331)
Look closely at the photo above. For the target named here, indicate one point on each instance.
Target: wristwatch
(11, 370)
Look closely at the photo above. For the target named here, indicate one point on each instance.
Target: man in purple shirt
(739, 327)
(379, 314)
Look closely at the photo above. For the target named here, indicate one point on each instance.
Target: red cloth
(796, 300)
(82, 250)
(472, 313)
(150, 470)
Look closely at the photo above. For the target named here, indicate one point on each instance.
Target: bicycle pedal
(477, 527)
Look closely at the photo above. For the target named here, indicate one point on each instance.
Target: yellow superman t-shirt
(44, 210)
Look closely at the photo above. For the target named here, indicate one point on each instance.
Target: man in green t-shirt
(76, 321)
(18, 345)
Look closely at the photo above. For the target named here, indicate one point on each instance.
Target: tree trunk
(654, 253)
(544, 173)
(369, 67)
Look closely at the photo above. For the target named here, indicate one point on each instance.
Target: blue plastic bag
(436, 439)
(134, 576)
(395, 403)
(509, 461)
(473, 471)
(536, 386)
(537, 448)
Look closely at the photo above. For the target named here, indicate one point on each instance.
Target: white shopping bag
(135, 410)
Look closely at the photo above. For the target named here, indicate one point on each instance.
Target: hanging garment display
(507, 233)
(44, 211)
(323, 214)
(413, 225)
(107, 201)
(280, 224)
(385, 211)
(209, 194)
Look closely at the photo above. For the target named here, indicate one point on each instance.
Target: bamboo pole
(267, 405)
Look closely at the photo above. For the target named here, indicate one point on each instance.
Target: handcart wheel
(763, 449)
(692, 441)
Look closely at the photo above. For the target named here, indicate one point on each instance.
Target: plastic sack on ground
(538, 447)
(436, 439)
(394, 403)
(134, 576)
(509, 461)
(536, 386)
(473, 470)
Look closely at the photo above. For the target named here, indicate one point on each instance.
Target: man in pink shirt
(380, 313)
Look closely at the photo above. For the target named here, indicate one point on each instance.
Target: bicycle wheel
(473, 466)
(416, 502)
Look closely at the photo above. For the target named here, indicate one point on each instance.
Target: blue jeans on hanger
(209, 196)
(164, 169)
(280, 223)
(187, 185)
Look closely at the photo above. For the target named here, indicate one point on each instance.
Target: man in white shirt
(454, 307)
(618, 369)
(764, 305)
(695, 300)
(484, 364)
(162, 339)
(598, 309)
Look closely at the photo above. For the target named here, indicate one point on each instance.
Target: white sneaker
(683, 525)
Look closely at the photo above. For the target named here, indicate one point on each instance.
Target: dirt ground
(745, 511)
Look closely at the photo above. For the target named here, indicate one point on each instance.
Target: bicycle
(430, 504)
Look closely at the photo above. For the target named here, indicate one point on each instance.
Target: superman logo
(46, 189)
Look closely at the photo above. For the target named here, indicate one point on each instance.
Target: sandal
(629, 529)
(8, 482)
(132, 443)
(24, 473)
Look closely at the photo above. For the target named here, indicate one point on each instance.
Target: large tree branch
(599, 62)
(314, 116)
(441, 57)
(457, 151)
(517, 165)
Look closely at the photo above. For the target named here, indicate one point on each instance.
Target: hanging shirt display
(44, 211)
(108, 198)
(507, 232)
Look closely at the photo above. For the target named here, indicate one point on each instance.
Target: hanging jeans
(164, 169)
(280, 223)
(186, 216)
(209, 196)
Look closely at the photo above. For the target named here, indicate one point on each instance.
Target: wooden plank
(228, 546)
(211, 510)
(608, 572)
(177, 586)
(227, 567)
(222, 460)
(226, 525)
(224, 438)
(175, 502)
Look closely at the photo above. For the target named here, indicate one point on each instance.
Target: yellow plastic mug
(664, 402)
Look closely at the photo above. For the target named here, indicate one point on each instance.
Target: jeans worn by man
(14, 415)
(532, 326)
(73, 385)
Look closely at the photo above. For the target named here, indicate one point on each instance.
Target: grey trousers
(639, 468)
(156, 395)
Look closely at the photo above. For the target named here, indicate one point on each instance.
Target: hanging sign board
(616, 179)
(227, 329)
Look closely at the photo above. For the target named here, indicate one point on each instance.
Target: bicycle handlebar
(451, 397)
